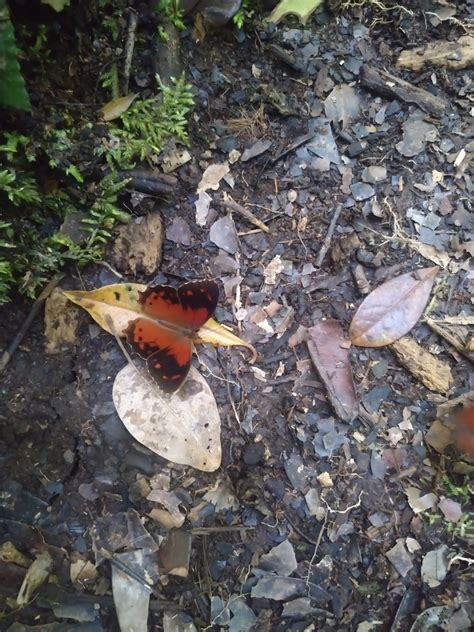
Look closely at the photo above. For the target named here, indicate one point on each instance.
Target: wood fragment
(238, 208)
(329, 234)
(175, 553)
(8, 354)
(388, 85)
(450, 337)
(129, 46)
(453, 55)
(431, 372)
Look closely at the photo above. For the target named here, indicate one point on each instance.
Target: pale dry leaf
(183, 428)
(115, 108)
(212, 176)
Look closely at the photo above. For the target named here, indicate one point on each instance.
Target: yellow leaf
(115, 108)
(220, 336)
(114, 306)
(119, 302)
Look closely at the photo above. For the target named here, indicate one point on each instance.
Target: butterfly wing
(164, 335)
(167, 352)
(198, 300)
(189, 307)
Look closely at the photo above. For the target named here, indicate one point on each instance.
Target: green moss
(148, 124)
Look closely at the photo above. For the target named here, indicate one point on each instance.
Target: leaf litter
(294, 477)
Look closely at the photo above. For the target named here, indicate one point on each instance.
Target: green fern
(12, 86)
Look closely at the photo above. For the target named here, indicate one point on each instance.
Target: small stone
(356, 148)
(374, 174)
(280, 560)
(362, 191)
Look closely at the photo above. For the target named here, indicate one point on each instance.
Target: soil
(335, 492)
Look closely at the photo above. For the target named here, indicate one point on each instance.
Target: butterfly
(464, 435)
(164, 334)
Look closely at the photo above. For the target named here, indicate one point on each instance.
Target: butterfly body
(164, 333)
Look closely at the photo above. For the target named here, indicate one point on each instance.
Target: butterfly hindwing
(167, 352)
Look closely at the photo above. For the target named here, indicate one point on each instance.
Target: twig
(238, 208)
(8, 354)
(295, 145)
(316, 547)
(129, 46)
(210, 530)
(329, 234)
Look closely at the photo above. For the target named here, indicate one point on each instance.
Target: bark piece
(433, 373)
(138, 248)
(455, 55)
(388, 85)
(175, 553)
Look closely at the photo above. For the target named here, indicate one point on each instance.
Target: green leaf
(12, 86)
(57, 5)
(302, 8)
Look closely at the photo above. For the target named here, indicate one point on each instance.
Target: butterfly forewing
(189, 307)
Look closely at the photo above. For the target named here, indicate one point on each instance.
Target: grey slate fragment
(255, 150)
(278, 588)
(280, 560)
(416, 133)
(400, 558)
(224, 234)
(220, 614)
(362, 191)
(243, 617)
(374, 174)
(297, 608)
(296, 471)
(323, 144)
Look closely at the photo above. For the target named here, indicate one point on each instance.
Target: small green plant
(173, 12)
(457, 491)
(12, 86)
(32, 244)
(148, 124)
(244, 14)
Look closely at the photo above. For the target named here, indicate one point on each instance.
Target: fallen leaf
(183, 428)
(392, 309)
(301, 8)
(35, 576)
(331, 359)
(115, 108)
(220, 336)
(118, 304)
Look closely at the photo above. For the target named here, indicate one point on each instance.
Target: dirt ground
(371, 521)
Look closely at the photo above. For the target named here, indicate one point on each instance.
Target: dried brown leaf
(328, 350)
(392, 309)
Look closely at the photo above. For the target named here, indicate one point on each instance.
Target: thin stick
(8, 354)
(129, 46)
(329, 234)
(295, 145)
(238, 208)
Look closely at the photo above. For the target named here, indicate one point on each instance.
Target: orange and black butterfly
(163, 335)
